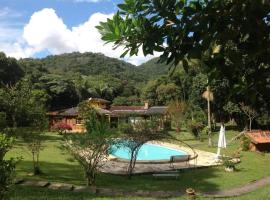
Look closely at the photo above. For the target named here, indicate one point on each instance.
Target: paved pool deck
(204, 159)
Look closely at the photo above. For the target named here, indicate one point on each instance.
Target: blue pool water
(147, 152)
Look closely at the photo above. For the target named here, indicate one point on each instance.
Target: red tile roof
(259, 136)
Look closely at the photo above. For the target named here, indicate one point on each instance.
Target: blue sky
(36, 28)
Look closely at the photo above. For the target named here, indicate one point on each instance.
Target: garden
(212, 76)
(58, 166)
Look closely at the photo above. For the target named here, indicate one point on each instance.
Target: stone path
(237, 191)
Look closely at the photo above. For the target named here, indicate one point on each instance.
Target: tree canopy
(227, 39)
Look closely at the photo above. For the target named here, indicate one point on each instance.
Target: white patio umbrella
(221, 140)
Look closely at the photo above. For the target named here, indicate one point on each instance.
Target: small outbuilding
(260, 140)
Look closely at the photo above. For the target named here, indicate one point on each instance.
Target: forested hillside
(63, 81)
(96, 64)
(70, 78)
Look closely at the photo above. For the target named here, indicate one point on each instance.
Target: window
(79, 121)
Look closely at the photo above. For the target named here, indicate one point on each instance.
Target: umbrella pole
(218, 153)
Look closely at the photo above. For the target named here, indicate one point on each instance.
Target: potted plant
(229, 165)
(190, 193)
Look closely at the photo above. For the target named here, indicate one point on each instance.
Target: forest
(62, 81)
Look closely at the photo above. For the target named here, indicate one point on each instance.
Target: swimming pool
(147, 152)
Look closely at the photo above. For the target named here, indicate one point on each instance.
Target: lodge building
(115, 114)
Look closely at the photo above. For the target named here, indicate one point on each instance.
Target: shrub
(245, 143)
(6, 166)
(228, 163)
(195, 128)
(62, 127)
(3, 121)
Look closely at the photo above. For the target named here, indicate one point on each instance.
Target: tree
(33, 135)
(6, 166)
(233, 109)
(61, 90)
(249, 112)
(26, 111)
(19, 102)
(126, 101)
(91, 149)
(137, 134)
(177, 111)
(208, 95)
(227, 39)
(10, 70)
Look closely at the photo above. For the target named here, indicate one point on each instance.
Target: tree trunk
(14, 123)
(250, 124)
(209, 119)
(91, 177)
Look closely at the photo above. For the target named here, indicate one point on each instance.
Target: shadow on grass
(200, 179)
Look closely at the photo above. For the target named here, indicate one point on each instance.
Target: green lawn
(32, 193)
(58, 166)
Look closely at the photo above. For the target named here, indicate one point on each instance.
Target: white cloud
(46, 31)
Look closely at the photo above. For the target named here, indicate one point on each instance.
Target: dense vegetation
(70, 78)
(65, 80)
(228, 40)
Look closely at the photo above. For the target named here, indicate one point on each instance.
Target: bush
(6, 166)
(63, 127)
(195, 128)
(3, 121)
(245, 143)
(228, 163)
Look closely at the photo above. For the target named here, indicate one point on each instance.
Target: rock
(142, 193)
(28, 183)
(91, 190)
(236, 160)
(42, 183)
(18, 181)
(106, 191)
(60, 186)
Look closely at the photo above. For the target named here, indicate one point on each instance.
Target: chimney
(146, 105)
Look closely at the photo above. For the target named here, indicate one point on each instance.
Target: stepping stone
(28, 183)
(141, 193)
(91, 190)
(18, 181)
(159, 194)
(42, 183)
(106, 191)
(61, 186)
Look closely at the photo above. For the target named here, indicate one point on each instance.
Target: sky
(37, 28)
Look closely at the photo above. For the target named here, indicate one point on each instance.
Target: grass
(33, 193)
(57, 166)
